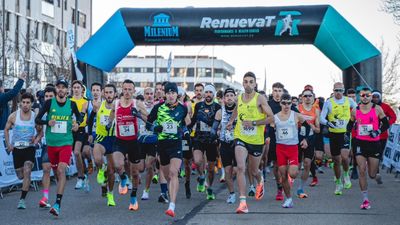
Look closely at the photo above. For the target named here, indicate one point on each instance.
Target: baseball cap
(229, 90)
(63, 82)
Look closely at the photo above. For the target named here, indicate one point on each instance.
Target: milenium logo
(161, 27)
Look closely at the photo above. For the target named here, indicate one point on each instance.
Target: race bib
(59, 128)
(104, 120)
(204, 127)
(170, 128)
(340, 124)
(21, 144)
(364, 129)
(126, 130)
(249, 131)
(228, 135)
(285, 133)
(185, 146)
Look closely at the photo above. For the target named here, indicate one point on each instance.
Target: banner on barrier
(7, 171)
(391, 156)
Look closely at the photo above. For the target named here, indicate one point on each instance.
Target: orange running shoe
(170, 213)
(123, 190)
(260, 191)
(242, 208)
(134, 207)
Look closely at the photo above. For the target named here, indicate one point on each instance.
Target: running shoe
(79, 184)
(242, 208)
(170, 213)
(210, 194)
(288, 203)
(252, 191)
(155, 179)
(163, 198)
(44, 203)
(301, 194)
(365, 205)
(222, 179)
(134, 206)
(314, 181)
(110, 199)
(100, 176)
(260, 191)
(90, 167)
(187, 190)
(182, 173)
(279, 196)
(347, 182)
(145, 195)
(231, 199)
(55, 210)
(201, 187)
(339, 189)
(21, 204)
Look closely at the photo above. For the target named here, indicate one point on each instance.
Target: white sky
(292, 65)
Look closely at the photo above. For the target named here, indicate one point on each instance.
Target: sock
(164, 188)
(242, 199)
(222, 172)
(110, 192)
(279, 186)
(134, 192)
(171, 206)
(124, 179)
(289, 199)
(58, 199)
(104, 167)
(365, 195)
(338, 181)
(23, 194)
(46, 193)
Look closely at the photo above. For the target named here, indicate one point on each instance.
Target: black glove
(186, 135)
(135, 113)
(158, 129)
(374, 133)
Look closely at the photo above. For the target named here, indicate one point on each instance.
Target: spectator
(5, 97)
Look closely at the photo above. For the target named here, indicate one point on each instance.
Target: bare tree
(392, 7)
(390, 74)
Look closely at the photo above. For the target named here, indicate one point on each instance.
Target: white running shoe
(79, 184)
(231, 198)
(288, 203)
(145, 195)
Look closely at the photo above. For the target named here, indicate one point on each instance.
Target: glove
(374, 133)
(331, 124)
(135, 113)
(158, 129)
(186, 134)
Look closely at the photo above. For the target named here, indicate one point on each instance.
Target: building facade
(35, 38)
(186, 71)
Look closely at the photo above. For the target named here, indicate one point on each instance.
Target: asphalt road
(322, 206)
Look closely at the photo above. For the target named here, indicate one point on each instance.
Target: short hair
(286, 97)
(50, 89)
(96, 84)
(140, 97)
(278, 85)
(50, 85)
(164, 83)
(294, 97)
(366, 89)
(128, 81)
(199, 85)
(111, 86)
(250, 74)
(159, 83)
(220, 94)
(27, 95)
(77, 82)
(350, 91)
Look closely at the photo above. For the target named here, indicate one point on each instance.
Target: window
(163, 70)
(58, 37)
(16, 5)
(8, 21)
(81, 19)
(17, 33)
(28, 36)
(125, 70)
(65, 4)
(49, 1)
(136, 70)
(65, 39)
(58, 3)
(47, 33)
(149, 70)
(28, 4)
(36, 30)
(73, 16)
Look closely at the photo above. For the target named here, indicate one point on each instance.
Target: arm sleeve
(324, 113)
(384, 124)
(152, 117)
(75, 111)
(5, 97)
(42, 111)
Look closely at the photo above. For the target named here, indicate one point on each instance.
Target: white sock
(171, 206)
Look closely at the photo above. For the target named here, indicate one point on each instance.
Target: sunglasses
(307, 96)
(365, 95)
(286, 103)
(338, 90)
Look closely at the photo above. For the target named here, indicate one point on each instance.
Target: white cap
(210, 87)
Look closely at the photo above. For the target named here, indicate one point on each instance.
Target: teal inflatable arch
(320, 25)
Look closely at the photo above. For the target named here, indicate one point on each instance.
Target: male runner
(370, 122)
(203, 118)
(60, 125)
(171, 117)
(252, 113)
(24, 138)
(337, 109)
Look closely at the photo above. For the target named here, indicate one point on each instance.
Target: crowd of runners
(161, 135)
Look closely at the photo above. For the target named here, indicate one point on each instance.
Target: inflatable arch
(320, 25)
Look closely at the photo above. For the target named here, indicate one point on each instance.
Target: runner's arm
(317, 127)
(91, 121)
(194, 117)
(42, 111)
(142, 110)
(304, 124)
(9, 124)
(75, 111)
(217, 121)
(324, 113)
(352, 120)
